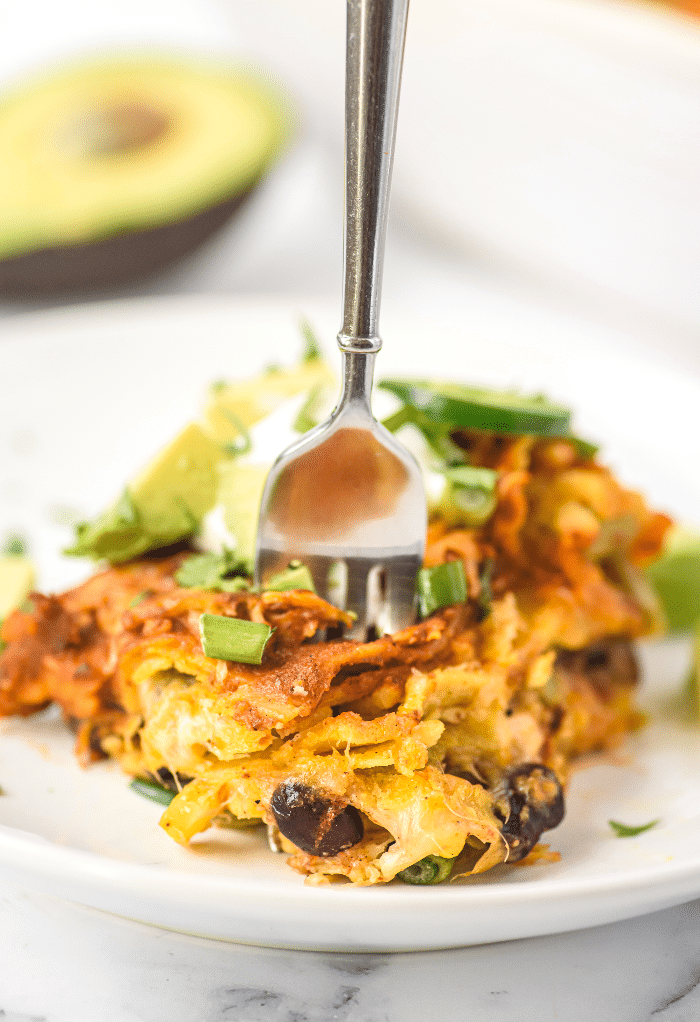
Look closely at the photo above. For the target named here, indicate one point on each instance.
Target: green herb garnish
(437, 435)
(141, 598)
(230, 638)
(155, 792)
(622, 830)
(238, 584)
(15, 546)
(118, 530)
(433, 869)
(441, 586)
(211, 571)
(308, 416)
(243, 442)
(312, 350)
(584, 448)
(296, 576)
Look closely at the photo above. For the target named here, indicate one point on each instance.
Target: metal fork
(347, 499)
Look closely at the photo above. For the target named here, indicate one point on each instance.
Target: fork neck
(358, 373)
(376, 30)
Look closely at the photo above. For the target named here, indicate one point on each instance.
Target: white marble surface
(63, 963)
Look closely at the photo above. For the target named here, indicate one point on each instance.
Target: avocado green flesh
(240, 494)
(16, 582)
(246, 402)
(163, 505)
(169, 499)
(675, 577)
(470, 408)
(222, 130)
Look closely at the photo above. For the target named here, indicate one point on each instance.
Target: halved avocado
(113, 169)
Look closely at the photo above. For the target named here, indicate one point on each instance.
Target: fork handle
(376, 32)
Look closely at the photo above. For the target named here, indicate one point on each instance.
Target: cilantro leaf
(211, 571)
(312, 351)
(15, 546)
(622, 830)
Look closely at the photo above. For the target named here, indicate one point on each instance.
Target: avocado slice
(243, 403)
(676, 578)
(113, 169)
(240, 493)
(16, 582)
(164, 504)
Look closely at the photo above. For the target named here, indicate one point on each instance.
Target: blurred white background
(547, 163)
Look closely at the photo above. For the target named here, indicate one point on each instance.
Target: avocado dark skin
(111, 262)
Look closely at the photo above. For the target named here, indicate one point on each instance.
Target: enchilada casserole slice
(448, 744)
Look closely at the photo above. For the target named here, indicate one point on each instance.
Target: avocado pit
(117, 129)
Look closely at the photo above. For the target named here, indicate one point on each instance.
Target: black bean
(314, 823)
(532, 802)
(607, 664)
(171, 781)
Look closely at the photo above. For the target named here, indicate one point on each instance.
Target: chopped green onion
(470, 477)
(209, 571)
(433, 869)
(140, 598)
(15, 547)
(230, 638)
(296, 576)
(149, 789)
(472, 492)
(458, 406)
(441, 586)
(312, 351)
(622, 830)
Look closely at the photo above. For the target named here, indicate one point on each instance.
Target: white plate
(85, 397)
